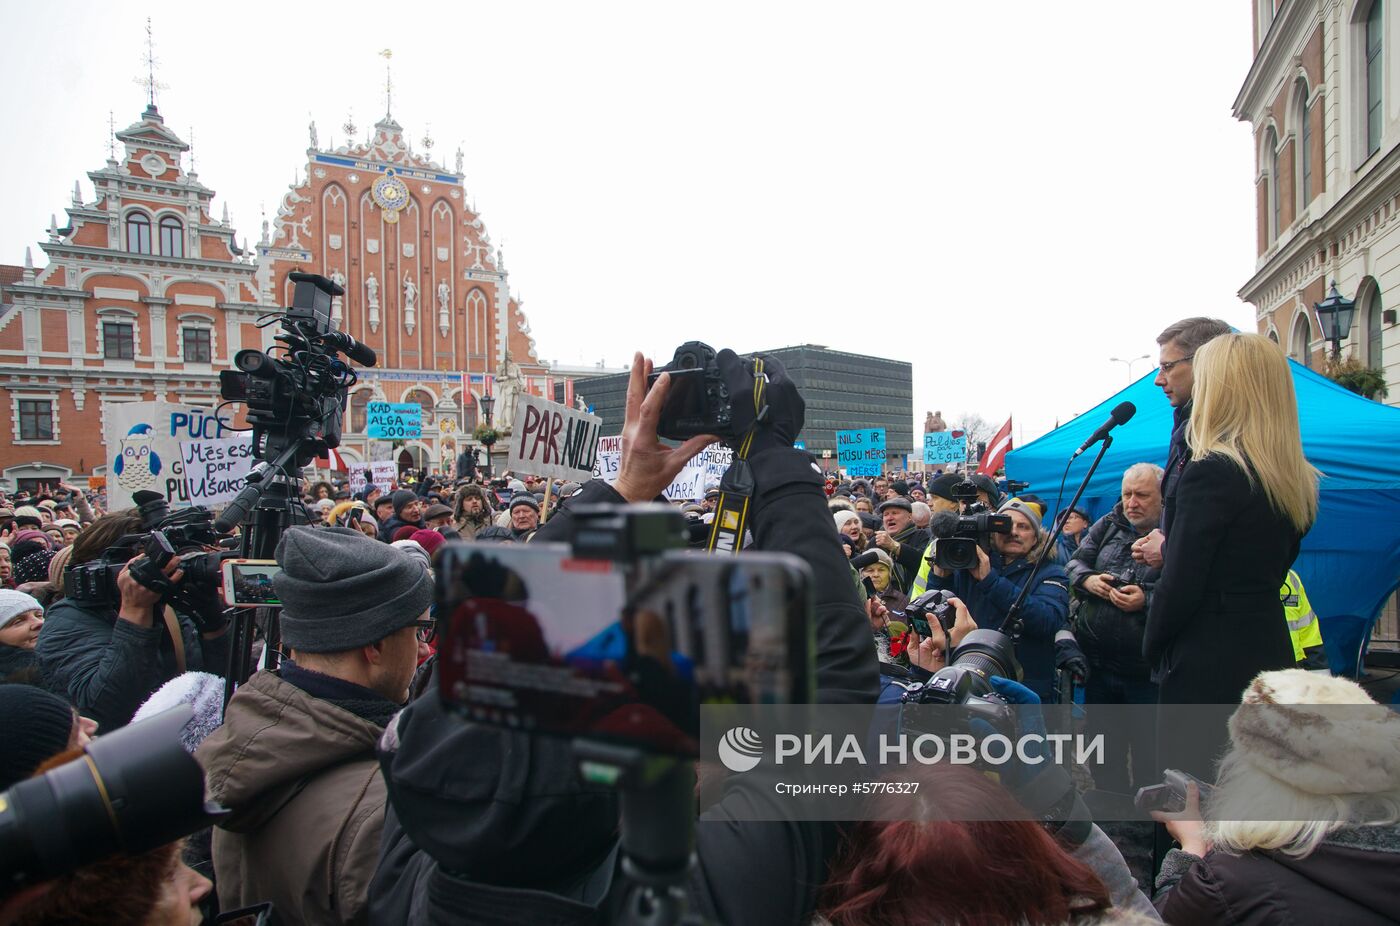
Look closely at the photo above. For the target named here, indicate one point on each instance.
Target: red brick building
(146, 296)
(424, 285)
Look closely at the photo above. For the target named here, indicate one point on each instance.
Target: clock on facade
(390, 194)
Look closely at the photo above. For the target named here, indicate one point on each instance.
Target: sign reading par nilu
(547, 439)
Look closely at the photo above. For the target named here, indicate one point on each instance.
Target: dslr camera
(699, 401)
(957, 537)
(964, 680)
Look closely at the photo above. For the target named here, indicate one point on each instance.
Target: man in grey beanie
(408, 510)
(295, 757)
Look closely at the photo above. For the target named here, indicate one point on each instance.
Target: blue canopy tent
(1350, 562)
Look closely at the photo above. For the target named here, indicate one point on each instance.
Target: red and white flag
(549, 388)
(332, 460)
(488, 385)
(569, 393)
(995, 456)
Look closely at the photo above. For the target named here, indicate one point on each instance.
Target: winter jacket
(912, 543)
(1349, 879)
(1110, 638)
(106, 667)
(1178, 455)
(300, 775)
(1216, 620)
(1045, 612)
(760, 873)
(386, 530)
(468, 526)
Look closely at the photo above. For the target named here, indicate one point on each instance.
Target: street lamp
(488, 405)
(1334, 318)
(1129, 363)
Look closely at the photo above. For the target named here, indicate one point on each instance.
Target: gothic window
(1275, 199)
(424, 401)
(35, 419)
(199, 346)
(359, 402)
(172, 237)
(1375, 112)
(1304, 148)
(118, 341)
(138, 233)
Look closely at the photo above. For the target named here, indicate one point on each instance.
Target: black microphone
(943, 524)
(868, 558)
(1121, 414)
(360, 353)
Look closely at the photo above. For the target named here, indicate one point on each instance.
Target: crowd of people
(354, 796)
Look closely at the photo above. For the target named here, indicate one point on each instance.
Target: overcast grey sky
(1006, 199)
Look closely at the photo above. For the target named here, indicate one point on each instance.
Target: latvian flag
(995, 456)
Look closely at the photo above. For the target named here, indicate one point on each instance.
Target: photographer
(494, 826)
(294, 759)
(990, 588)
(108, 660)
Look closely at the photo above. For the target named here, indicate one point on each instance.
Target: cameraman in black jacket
(107, 661)
(492, 826)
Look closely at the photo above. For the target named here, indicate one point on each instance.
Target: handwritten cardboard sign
(216, 470)
(547, 439)
(143, 447)
(384, 473)
(703, 470)
(943, 447)
(394, 420)
(861, 452)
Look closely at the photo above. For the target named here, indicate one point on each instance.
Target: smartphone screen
(538, 640)
(248, 583)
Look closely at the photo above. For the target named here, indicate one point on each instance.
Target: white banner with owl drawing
(143, 441)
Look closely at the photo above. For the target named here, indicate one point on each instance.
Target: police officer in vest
(1302, 624)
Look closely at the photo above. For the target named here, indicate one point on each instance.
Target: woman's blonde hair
(1244, 409)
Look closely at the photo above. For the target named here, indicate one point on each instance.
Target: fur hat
(203, 692)
(1318, 734)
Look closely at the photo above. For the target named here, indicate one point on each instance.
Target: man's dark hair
(1190, 334)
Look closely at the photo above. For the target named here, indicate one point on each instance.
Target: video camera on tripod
(296, 407)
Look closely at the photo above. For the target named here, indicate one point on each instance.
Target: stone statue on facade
(410, 303)
(372, 292)
(444, 298)
(312, 127)
(509, 384)
(337, 302)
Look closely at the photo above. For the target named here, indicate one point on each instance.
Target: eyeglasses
(1166, 366)
(427, 630)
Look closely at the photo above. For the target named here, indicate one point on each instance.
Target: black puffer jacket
(1111, 639)
(498, 802)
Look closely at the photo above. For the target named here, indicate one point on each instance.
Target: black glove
(1069, 657)
(780, 420)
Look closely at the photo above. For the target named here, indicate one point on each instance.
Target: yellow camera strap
(736, 486)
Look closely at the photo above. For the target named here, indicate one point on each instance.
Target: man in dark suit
(1177, 346)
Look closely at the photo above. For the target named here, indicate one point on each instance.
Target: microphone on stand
(1121, 414)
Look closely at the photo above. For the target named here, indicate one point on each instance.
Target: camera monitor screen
(248, 583)
(537, 640)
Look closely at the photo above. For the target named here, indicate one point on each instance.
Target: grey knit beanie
(341, 590)
(403, 497)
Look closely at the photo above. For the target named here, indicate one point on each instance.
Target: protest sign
(383, 474)
(704, 469)
(549, 440)
(862, 452)
(216, 470)
(945, 447)
(143, 450)
(394, 420)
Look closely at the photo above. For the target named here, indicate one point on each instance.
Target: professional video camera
(956, 537)
(132, 790)
(296, 405)
(182, 534)
(698, 401)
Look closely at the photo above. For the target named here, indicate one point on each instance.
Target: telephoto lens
(129, 792)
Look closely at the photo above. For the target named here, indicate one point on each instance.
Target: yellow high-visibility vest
(1303, 627)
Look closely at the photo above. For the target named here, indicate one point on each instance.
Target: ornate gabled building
(145, 296)
(424, 284)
